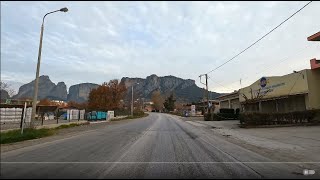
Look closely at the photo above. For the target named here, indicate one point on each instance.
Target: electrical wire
(259, 38)
(220, 84)
(270, 67)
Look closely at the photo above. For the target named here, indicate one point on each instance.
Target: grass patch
(132, 117)
(67, 126)
(28, 133)
(16, 136)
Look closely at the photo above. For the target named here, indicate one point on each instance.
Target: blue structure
(97, 115)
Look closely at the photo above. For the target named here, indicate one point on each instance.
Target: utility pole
(207, 90)
(142, 104)
(207, 93)
(132, 100)
(36, 82)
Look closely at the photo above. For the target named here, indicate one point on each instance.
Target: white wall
(14, 114)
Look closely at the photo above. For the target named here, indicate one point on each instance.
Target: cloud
(99, 41)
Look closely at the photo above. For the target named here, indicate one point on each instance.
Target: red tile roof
(315, 37)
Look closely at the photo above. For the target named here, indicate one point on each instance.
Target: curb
(275, 126)
(57, 125)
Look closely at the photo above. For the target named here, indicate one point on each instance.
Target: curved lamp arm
(62, 9)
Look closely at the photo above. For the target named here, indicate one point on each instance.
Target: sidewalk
(301, 140)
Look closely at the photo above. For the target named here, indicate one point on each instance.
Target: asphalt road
(157, 146)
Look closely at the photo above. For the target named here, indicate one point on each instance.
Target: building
(59, 102)
(229, 101)
(203, 105)
(296, 91)
(315, 37)
(148, 106)
(19, 101)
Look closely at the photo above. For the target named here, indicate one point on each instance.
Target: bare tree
(7, 87)
(256, 97)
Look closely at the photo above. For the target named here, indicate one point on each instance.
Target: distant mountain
(185, 90)
(4, 94)
(80, 92)
(47, 89)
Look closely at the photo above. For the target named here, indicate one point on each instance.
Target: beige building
(230, 101)
(296, 91)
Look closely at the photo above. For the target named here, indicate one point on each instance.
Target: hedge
(297, 117)
(220, 116)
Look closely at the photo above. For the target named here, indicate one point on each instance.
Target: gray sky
(98, 41)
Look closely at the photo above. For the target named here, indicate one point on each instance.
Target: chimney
(314, 63)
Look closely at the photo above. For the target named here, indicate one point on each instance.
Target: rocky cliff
(47, 89)
(80, 92)
(4, 94)
(59, 92)
(185, 89)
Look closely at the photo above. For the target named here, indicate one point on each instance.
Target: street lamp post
(35, 94)
(132, 98)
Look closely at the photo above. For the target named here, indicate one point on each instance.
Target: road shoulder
(285, 147)
(65, 134)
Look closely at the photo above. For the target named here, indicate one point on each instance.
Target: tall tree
(169, 103)
(157, 100)
(107, 96)
(76, 105)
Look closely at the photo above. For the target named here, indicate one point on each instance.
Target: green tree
(169, 103)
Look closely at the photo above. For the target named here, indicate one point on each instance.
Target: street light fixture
(64, 9)
(132, 98)
(34, 103)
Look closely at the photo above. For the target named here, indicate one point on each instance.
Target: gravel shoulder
(287, 144)
(64, 133)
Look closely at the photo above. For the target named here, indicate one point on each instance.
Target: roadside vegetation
(29, 133)
(308, 117)
(177, 113)
(136, 114)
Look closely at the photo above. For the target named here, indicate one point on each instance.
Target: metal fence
(12, 117)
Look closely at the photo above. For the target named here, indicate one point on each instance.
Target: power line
(275, 66)
(260, 38)
(266, 69)
(219, 84)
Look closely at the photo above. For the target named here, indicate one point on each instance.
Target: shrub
(297, 117)
(220, 116)
(121, 112)
(138, 113)
(227, 111)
